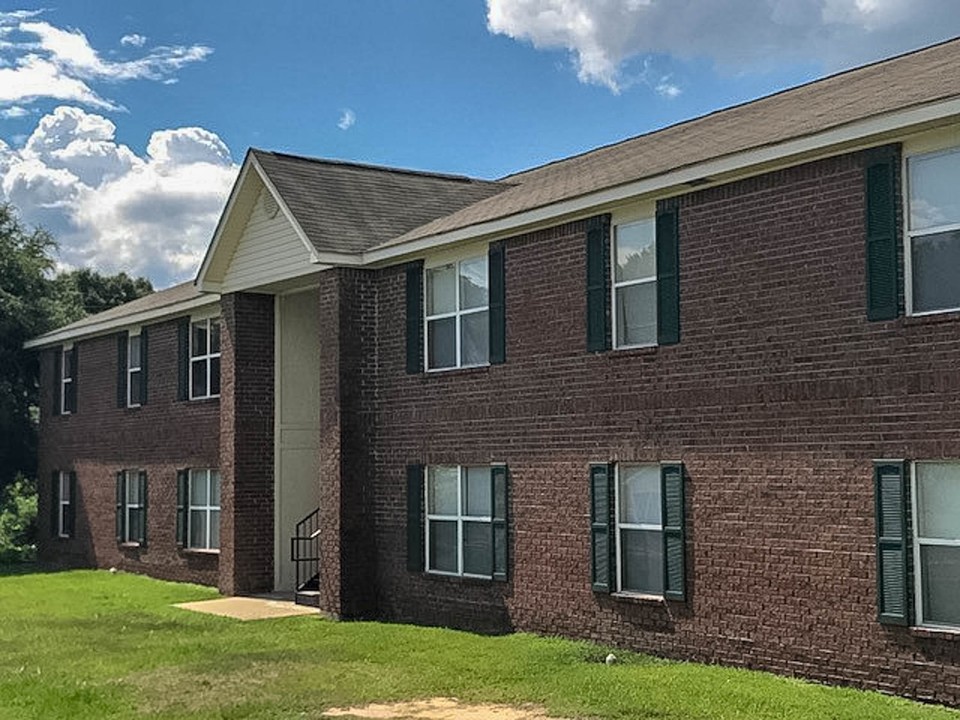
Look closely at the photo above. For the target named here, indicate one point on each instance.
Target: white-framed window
(932, 235)
(205, 358)
(133, 506)
(63, 500)
(134, 370)
(458, 527)
(204, 510)
(457, 314)
(68, 387)
(639, 529)
(634, 287)
(936, 546)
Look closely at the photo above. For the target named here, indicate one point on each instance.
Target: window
(457, 314)
(205, 358)
(936, 551)
(639, 529)
(204, 511)
(132, 507)
(635, 284)
(134, 371)
(64, 489)
(68, 385)
(933, 232)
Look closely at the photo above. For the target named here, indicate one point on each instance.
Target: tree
(26, 310)
(34, 301)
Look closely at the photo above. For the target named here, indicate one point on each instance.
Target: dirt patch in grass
(439, 709)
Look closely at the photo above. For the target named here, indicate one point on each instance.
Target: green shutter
(598, 286)
(142, 480)
(498, 315)
(415, 518)
(414, 317)
(183, 359)
(57, 380)
(70, 399)
(498, 526)
(121, 517)
(601, 501)
(674, 562)
(183, 493)
(891, 511)
(881, 227)
(668, 277)
(143, 366)
(122, 370)
(55, 503)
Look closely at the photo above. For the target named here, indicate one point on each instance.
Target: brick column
(347, 397)
(246, 443)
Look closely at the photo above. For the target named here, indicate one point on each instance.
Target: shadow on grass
(25, 568)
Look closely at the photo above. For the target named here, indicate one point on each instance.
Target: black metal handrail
(305, 549)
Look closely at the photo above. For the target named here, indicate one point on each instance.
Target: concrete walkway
(248, 608)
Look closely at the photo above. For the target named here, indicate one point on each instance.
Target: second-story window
(68, 385)
(205, 358)
(635, 284)
(457, 314)
(134, 371)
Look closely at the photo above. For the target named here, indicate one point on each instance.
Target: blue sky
(123, 123)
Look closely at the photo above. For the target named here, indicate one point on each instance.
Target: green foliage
(91, 644)
(86, 292)
(18, 521)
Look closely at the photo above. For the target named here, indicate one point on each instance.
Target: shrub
(18, 521)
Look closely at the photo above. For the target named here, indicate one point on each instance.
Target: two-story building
(696, 393)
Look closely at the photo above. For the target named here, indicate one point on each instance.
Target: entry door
(297, 483)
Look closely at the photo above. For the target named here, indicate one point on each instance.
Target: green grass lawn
(94, 645)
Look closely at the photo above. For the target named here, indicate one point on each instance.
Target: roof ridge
(378, 168)
(745, 103)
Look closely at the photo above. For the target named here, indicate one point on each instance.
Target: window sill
(201, 400)
(129, 545)
(457, 579)
(931, 632)
(932, 318)
(641, 598)
(632, 351)
(470, 369)
(199, 551)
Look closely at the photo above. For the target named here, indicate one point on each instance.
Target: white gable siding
(269, 249)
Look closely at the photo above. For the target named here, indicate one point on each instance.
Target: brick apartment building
(696, 393)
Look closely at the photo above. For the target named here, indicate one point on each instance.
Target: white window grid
(628, 526)
(133, 340)
(207, 324)
(909, 233)
(615, 285)
(919, 542)
(459, 518)
(63, 503)
(209, 477)
(131, 505)
(66, 378)
(457, 313)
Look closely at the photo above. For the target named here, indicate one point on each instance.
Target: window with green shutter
(881, 235)
(131, 507)
(936, 544)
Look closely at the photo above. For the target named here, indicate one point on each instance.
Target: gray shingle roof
(917, 78)
(345, 207)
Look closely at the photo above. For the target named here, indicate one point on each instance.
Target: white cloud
(347, 119)
(14, 111)
(134, 40)
(737, 35)
(115, 210)
(40, 60)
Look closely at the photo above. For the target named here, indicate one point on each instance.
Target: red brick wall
(777, 399)
(247, 443)
(100, 439)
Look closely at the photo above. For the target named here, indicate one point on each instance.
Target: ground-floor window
(204, 509)
(132, 507)
(64, 502)
(639, 529)
(936, 551)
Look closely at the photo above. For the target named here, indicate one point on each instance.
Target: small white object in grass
(611, 659)
(113, 570)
